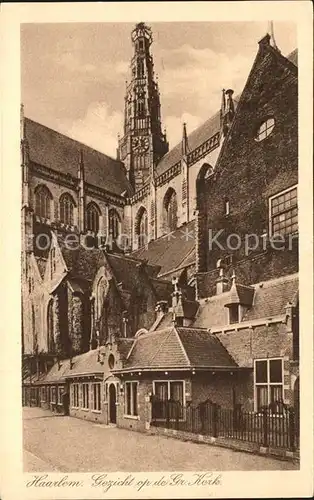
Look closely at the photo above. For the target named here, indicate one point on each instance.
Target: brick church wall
(249, 172)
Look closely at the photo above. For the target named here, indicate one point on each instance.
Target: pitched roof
(272, 296)
(209, 128)
(204, 349)
(270, 299)
(128, 270)
(169, 251)
(61, 153)
(178, 348)
(293, 57)
(82, 262)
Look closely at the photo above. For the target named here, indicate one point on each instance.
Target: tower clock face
(140, 144)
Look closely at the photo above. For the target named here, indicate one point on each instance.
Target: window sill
(85, 409)
(74, 407)
(132, 417)
(96, 411)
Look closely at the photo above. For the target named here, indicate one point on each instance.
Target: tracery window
(141, 228)
(171, 209)
(114, 223)
(92, 218)
(43, 198)
(66, 204)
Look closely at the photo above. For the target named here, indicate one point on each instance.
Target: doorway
(112, 404)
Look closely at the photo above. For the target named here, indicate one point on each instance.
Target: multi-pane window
(172, 390)
(130, 402)
(43, 394)
(53, 395)
(66, 209)
(92, 218)
(43, 199)
(171, 207)
(268, 377)
(96, 397)
(85, 394)
(114, 223)
(60, 394)
(284, 212)
(169, 391)
(265, 129)
(75, 396)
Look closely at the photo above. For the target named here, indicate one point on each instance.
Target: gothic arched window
(114, 223)
(66, 204)
(43, 199)
(50, 327)
(141, 227)
(171, 210)
(205, 172)
(92, 218)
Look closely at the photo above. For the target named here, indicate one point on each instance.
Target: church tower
(143, 142)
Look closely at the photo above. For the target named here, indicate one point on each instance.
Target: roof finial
(233, 277)
(272, 35)
(185, 145)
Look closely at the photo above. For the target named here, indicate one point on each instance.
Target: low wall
(226, 443)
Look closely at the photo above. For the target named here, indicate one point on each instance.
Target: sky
(73, 74)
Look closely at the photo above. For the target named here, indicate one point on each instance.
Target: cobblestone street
(66, 444)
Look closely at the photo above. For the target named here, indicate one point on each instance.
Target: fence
(275, 426)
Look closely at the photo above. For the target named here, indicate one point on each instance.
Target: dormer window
(265, 129)
(234, 316)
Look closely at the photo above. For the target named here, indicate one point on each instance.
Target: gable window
(227, 207)
(43, 199)
(130, 401)
(171, 210)
(96, 398)
(114, 223)
(92, 218)
(265, 129)
(85, 393)
(268, 381)
(75, 396)
(283, 212)
(66, 203)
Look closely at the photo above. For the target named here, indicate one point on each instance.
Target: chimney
(222, 281)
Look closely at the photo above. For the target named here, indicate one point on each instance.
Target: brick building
(202, 302)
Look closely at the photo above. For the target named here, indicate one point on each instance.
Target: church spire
(143, 143)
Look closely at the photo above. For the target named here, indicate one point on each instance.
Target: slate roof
(127, 270)
(178, 348)
(293, 57)
(241, 294)
(61, 153)
(271, 297)
(269, 300)
(170, 251)
(83, 262)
